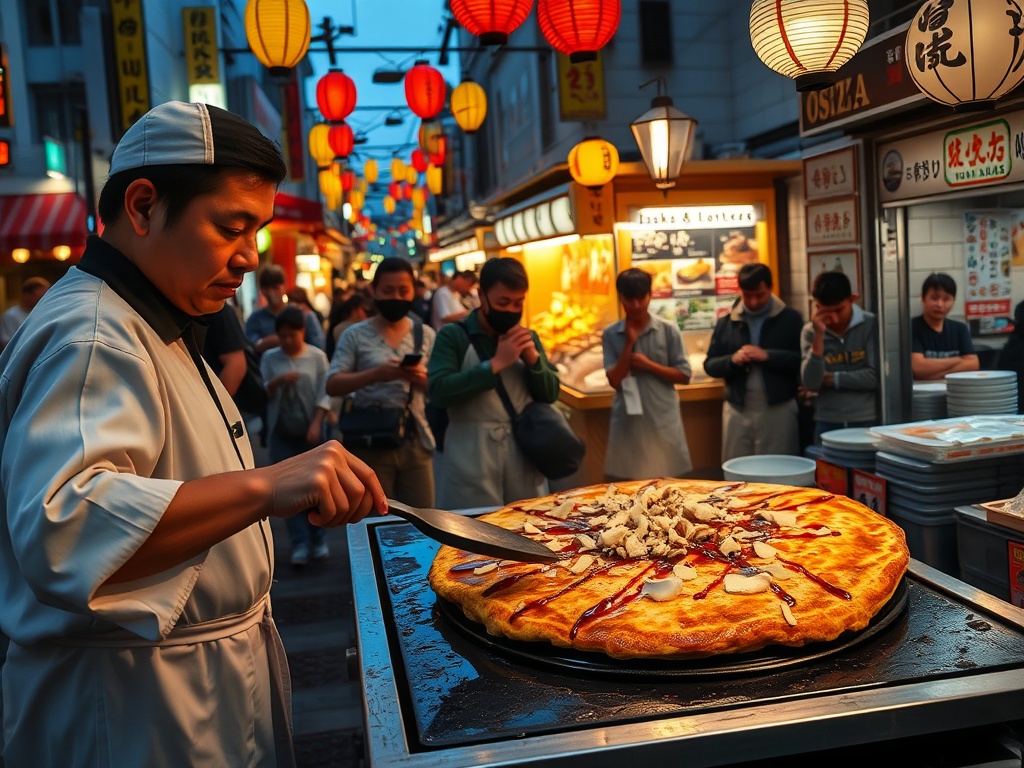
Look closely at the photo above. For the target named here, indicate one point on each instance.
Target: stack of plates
(918, 484)
(854, 447)
(929, 401)
(980, 392)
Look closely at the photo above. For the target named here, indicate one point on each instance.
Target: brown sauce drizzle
(831, 589)
(545, 600)
(472, 565)
(508, 581)
(609, 604)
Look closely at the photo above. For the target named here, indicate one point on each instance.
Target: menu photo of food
(738, 247)
(692, 313)
(694, 275)
(661, 277)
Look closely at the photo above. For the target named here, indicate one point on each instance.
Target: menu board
(693, 271)
(987, 258)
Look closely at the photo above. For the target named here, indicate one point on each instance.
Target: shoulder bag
(541, 431)
(378, 428)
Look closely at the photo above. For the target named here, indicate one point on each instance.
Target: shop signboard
(202, 57)
(987, 257)
(693, 255)
(129, 33)
(1016, 560)
(977, 155)
(869, 490)
(581, 89)
(832, 174)
(875, 81)
(832, 222)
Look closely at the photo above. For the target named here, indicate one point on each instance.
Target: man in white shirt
(32, 291)
(446, 304)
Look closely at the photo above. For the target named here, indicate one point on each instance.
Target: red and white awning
(42, 222)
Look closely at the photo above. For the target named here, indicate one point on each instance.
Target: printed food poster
(1016, 560)
(869, 490)
(699, 262)
(988, 254)
(695, 313)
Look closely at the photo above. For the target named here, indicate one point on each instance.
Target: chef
(135, 552)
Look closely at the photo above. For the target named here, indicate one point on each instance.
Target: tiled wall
(935, 241)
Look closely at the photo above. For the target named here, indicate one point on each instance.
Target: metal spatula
(473, 535)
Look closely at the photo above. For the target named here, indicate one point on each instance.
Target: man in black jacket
(756, 349)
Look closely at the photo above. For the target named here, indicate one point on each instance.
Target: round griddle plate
(770, 659)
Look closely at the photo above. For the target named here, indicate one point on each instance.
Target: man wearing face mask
(378, 365)
(483, 464)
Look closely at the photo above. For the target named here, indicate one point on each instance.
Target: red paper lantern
(424, 90)
(341, 139)
(336, 95)
(419, 160)
(440, 151)
(491, 20)
(348, 180)
(407, 191)
(395, 190)
(578, 28)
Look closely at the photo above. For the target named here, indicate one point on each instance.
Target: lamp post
(665, 137)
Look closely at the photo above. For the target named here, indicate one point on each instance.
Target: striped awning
(42, 222)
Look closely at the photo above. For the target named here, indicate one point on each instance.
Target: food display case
(947, 657)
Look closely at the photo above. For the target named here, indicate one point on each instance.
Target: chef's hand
(511, 347)
(328, 484)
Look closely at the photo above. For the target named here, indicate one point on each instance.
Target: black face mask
(502, 322)
(393, 310)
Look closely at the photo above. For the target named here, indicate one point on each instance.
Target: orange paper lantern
(579, 28)
(424, 90)
(336, 95)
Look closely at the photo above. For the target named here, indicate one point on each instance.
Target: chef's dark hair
(391, 265)
(940, 281)
(633, 283)
(506, 271)
(752, 275)
(830, 288)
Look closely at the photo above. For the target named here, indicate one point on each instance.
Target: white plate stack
(971, 393)
(929, 400)
(853, 447)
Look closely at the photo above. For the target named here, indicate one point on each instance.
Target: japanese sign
(987, 256)
(831, 174)
(129, 35)
(876, 79)
(869, 490)
(581, 89)
(593, 210)
(986, 153)
(202, 55)
(832, 222)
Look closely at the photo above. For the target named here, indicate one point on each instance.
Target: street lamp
(665, 137)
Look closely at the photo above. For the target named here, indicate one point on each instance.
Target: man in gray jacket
(840, 357)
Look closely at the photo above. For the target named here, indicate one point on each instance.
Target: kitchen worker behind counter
(645, 359)
(135, 550)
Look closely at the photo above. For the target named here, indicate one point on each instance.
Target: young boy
(937, 345)
(840, 357)
(645, 359)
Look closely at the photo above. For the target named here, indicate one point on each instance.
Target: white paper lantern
(965, 54)
(808, 40)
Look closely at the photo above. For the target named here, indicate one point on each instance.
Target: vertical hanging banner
(129, 35)
(5, 103)
(291, 133)
(202, 56)
(581, 89)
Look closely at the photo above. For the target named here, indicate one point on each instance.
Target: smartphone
(411, 359)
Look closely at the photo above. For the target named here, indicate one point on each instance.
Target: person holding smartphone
(376, 363)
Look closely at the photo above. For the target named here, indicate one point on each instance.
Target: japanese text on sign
(831, 174)
(832, 222)
(581, 89)
(202, 56)
(978, 154)
(130, 61)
